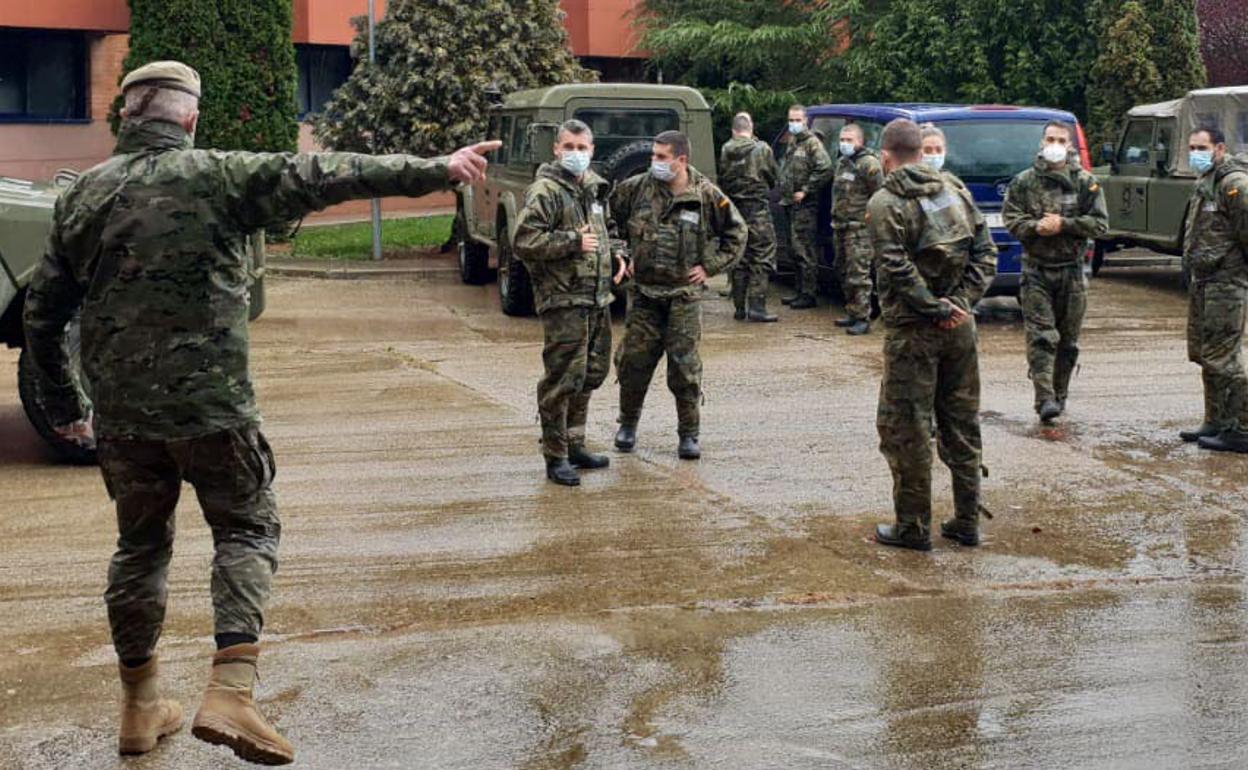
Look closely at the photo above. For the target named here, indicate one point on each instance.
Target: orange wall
(90, 15)
(328, 22)
(601, 27)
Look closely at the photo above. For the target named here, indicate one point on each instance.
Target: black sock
(229, 640)
(135, 662)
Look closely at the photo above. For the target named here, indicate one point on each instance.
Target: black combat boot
(859, 328)
(1049, 411)
(804, 302)
(559, 471)
(962, 531)
(1226, 441)
(626, 438)
(758, 312)
(889, 534)
(846, 322)
(579, 458)
(1206, 430)
(689, 449)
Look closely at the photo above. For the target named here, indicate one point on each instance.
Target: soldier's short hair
(676, 140)
(856, 128)
(929, 130)
(902, 139)
(576, 128)
(797, 108)
(1216, 135)
(742, 122)
(156, 103)
(1070, 131)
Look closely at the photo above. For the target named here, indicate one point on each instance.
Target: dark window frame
(304, 88)
(26, 41)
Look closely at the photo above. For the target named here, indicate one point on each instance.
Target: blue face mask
(935, 161)
(574, 161)
(662, 170)
(1200, 160)
(797, 126)
(848, 148)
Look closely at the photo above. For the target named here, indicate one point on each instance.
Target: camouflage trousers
(656, 327)
(1054, 300)
(928, 370)
(577, 356)
(803, 232)
(752, 273)
(1215, 337)
(232, 473)
(854, 255)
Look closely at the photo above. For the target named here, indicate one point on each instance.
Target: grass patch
(355, 240)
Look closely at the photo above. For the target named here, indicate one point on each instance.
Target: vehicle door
(1167, 192)
(1126, 189)
(485, 195)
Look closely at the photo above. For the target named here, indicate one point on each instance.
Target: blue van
(987, 145)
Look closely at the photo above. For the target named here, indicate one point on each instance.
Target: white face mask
(797, 126)
(575, 161)
(935, 161)
(662, 170)
(1054, 153)
(848, 148)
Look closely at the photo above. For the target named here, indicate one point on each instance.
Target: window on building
(43, 76)
(322, 68)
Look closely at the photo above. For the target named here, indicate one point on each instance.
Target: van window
(989, 151)
(1165, 138)
(504, 133)
(519, 154)
(1136, 143)
(614, 128)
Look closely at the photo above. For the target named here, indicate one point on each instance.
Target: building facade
(61, 61)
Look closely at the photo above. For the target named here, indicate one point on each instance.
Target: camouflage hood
(556, 173)
(738, 148)
(1062, 176)
(142, 135)
(914, 180)
(1231, 164)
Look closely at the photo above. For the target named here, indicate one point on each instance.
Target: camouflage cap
(165, 74)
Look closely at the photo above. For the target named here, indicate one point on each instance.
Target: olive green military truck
(1148, 181)
(25, 219)
(624, 118)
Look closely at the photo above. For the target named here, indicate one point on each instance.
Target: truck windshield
(989, 150)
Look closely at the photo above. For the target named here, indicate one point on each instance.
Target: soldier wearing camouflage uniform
(747, 172)
(1053, 209)
(681, 230)
(562, 237)
(150, 247)
(1216, 253)
(935, 259)
(858, 175)
(804, 171)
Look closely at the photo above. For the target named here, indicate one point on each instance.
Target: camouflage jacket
(556, 207)
(856, 179)
(669, 234)
(1215, 245)
(1071, 192)
(931, 242)
(747, 171)
(806, 167)
(151, 245)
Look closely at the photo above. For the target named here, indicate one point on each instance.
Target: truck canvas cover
(1226, 108)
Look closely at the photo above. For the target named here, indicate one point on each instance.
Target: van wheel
(32, 402)
(515, 292)
(629, 160)
(474, 263)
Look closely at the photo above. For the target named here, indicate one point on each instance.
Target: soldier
(935, 259)
(562, 238)
(1053, 209)
(1216, 252)
(747, 174)
(681, 230)
(150, 245)
(804, 170)
(858, 175)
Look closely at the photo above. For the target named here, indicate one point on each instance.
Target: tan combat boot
(228, 715)
(145, 716)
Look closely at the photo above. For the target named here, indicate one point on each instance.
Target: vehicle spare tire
(628, 160)
(32, 402)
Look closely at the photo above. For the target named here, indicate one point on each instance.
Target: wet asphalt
(440, 605)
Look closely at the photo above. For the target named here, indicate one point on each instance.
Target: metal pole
(375, 203)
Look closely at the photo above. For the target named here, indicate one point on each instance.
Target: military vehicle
(1148, 181)
(25, 219)
(624, 118)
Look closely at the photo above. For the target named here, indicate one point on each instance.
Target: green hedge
(244, 55)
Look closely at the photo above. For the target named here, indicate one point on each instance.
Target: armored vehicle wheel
(28, 389)
(515, 292)
(629, 160)
(474, 262)
(1098, 258)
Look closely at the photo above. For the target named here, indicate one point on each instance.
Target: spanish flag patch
(1231, 193)
(1094, 187)
(723, 202)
